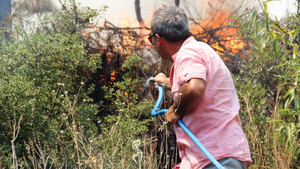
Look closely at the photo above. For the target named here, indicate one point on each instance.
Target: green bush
(48, 119)
(268, 87)
(125, 129)
(43, 93)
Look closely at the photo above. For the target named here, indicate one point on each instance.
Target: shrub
(43, 94)
(268, 87)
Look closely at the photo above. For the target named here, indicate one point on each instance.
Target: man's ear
(159, 40)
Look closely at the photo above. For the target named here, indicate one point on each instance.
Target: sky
(122, 12)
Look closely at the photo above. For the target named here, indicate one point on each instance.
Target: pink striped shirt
(215, 121)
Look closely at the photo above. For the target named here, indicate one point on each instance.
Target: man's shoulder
(196, 46)
(194, 50)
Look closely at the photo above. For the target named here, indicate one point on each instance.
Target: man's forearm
(189, 95)
(184, 101)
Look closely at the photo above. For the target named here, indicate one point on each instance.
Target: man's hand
(172, 116)
(162, 79)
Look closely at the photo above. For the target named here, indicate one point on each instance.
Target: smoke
(120, 11)
(205, 9)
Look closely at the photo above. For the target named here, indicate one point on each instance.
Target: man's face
(153, 38)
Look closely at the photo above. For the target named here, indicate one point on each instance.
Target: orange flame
(113, 76)
(219, 32)
(126, 20)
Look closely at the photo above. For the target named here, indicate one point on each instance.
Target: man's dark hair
(171, 23)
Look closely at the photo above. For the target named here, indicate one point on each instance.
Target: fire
(127, 21)
(113, 76)
(219, 32)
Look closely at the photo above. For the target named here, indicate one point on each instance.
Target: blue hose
(155, 112)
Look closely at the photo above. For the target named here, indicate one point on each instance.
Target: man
(203, 92)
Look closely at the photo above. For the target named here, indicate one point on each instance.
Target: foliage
(124, 130)
(71, 18)
(42, 84)
(29, 7)
(48, 118)
(268, 86)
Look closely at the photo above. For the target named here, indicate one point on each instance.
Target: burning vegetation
(77, 110)
(115, 44)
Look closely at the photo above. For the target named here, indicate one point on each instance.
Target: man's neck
(173, 48)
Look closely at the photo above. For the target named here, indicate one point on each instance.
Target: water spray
(150, 79)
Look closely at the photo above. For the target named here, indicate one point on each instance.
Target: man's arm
(189, 95)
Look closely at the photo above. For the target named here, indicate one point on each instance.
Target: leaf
(295, 51)
(296, 103)
(283, 64)
(254, 14)
(284, 110)
(273, 121)
(275, 46)
(289, 133)
(290, 92)
(292, 31)
(265, 6)
(284, 56)
(280, 76)
(267, 22)
(256, 28)
(267, 14)
(274, 34)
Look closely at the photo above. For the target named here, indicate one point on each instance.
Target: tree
(27, 8)
(42, 83)
(5, 13)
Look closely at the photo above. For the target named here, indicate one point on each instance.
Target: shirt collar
(191, 38)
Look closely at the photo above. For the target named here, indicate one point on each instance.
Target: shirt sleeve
(192, 64)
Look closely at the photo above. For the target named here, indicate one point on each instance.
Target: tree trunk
(13, 148)
(138, 12)
(177, 2)
(15, 129)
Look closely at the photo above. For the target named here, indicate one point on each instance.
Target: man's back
(215, 121)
